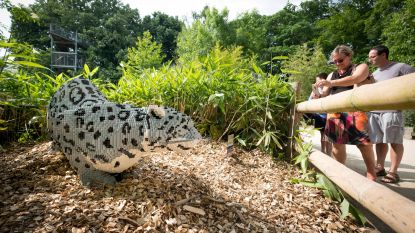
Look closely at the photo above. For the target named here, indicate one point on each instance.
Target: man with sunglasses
(387, 126)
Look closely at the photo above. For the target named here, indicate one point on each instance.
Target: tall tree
(346, 25)
(209, 28)
(250, 32)
(287, 27)
(27, 27)
(380, 16)
(117, 30)
(314, 10)
(399, 33)
(146, 54)
(165, 30)
(304, 65)
(286, 30)
(109, 26)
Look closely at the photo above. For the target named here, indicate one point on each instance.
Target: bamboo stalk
(397, 94)
(393, 209)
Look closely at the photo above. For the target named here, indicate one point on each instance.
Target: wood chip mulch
(204, 190)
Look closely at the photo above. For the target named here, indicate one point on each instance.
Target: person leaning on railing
(348, 127)
(387, 126)
(320, 119)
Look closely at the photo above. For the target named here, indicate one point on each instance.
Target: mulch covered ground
(202, 191)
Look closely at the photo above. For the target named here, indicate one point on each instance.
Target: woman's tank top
(336, 75)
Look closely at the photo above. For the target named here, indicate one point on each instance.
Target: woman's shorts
(348, 128)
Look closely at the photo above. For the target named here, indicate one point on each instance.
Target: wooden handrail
(393, 209)
(397, 94)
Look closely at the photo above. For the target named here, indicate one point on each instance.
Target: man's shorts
(386, 127)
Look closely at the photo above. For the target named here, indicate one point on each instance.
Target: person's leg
(323, 144)
(376, 129)
(339, 152)
(329, 148)
(326, 144)
(396, 156)
(369, 159)
(394, 131)
(320, 123)
(381, 152)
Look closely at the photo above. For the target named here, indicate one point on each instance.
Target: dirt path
(204, 191)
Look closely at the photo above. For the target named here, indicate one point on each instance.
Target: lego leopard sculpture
(101, 138)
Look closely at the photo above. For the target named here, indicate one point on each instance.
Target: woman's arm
(326, 89)
(359, 74)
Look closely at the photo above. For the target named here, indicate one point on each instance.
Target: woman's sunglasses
(338, 61)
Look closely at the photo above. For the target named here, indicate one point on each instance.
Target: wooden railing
(393, 209)
(398, 94)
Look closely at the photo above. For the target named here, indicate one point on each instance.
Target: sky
(184, 8)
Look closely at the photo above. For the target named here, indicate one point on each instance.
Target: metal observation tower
(66, 49)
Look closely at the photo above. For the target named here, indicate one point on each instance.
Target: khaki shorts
(386, 127)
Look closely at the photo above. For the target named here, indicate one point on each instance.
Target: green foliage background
(223, 92)
(231, 76)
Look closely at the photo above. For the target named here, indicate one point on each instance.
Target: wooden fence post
(294, 119)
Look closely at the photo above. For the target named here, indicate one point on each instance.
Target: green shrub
(409, 116)
(223, 92)
(304, 65)
(24, 93)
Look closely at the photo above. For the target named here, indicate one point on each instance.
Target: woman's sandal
(381, 172)
(390, 178)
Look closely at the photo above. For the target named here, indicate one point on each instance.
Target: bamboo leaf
(329, 186)
(29, 64)
(267, 139)
(256, 69)
(94, 71)
(241, 141)
(344, 208)
(260, 140)
(86, 69)
(276, 141)
(304, 165)
(7, 44)
(290, 71)
(268, 114)
(280, 58)
(357, 215)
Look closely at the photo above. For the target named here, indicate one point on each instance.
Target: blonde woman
(348, 127)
